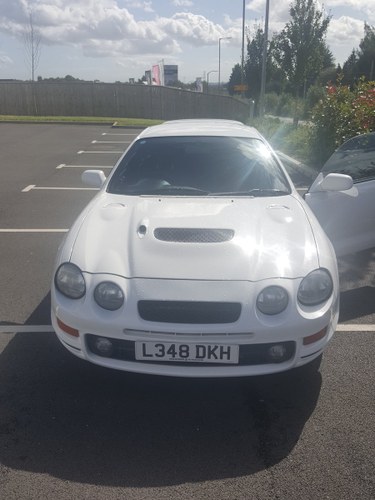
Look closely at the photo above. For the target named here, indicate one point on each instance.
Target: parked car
(343, 195)
(197, 258)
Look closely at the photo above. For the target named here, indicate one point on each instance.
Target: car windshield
(199, 166)
(355, 157)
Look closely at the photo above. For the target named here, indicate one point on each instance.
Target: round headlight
(315, 288)
(272, 300)
(109, 295)
(69, 281)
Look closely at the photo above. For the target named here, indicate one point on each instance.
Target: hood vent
(193, 235)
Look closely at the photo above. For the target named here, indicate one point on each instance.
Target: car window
(198, 166)
(355, 157)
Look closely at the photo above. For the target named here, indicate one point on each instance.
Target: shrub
(340, 115)
(271, 102)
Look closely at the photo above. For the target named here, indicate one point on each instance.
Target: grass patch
(120, 122)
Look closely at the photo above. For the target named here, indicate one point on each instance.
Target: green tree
(253, 67)
(350, 68)
(366, 54)
(300, 48)
(234, 79)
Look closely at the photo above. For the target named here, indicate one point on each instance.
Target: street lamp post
(264, 61)
(222, 38)
(208, 78)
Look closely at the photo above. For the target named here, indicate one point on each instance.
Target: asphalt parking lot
(72, 430)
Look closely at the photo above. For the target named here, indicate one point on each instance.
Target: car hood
(194, 238)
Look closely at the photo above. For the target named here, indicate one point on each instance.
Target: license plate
(189, 353)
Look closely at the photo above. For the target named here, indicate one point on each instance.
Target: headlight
(272, 300)
(69, 281)
(315, 288)
(109, 295)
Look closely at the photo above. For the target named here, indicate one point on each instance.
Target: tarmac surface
(69, 429)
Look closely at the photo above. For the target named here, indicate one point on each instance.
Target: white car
(343, 195)
(197, 258)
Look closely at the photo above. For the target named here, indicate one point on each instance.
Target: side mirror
(336, 182)
(94, 178)
(332, 182)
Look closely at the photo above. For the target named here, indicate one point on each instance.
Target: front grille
(255, 354)
(193, 235)
(178, 311)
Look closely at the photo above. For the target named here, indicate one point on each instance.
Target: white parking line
(20, 230)
(33, 187)
(28, 188)
(98, 152)
(91, 167)
(110, 142)
(113, 133)
(26, 329)
(347, 327)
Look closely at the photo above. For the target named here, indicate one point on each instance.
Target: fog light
(103, 346)
(277, 352)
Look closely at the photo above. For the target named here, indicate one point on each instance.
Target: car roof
(201, 127)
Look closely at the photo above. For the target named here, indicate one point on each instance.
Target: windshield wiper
(253, 193)
(268, 192)
(180, 190)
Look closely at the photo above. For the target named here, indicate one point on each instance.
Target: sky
(114, 40)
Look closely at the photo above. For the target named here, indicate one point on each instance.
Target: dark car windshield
(199, 166)
(356, 158)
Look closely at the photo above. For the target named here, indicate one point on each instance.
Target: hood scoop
(193, 235)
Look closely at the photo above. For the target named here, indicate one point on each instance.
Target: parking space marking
(91, 167)
(33, 187)
(117, 133)
(48, 328)
(20, 230)
(26, 329)
(110, 142)
(28, 188)
(99, 152)
(347, 327)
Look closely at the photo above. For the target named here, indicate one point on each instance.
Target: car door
(347, 211)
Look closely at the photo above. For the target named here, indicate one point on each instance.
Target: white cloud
(114, 29)
(5, 60)
(103, 28)
(182, 3)
(192, 28)
(345, 29)
(135, 4)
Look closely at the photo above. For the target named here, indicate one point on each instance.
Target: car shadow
(355, 269)
(67, 418)
(357, 286)
(357, 303)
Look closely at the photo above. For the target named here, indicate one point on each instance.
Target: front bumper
(253, 332)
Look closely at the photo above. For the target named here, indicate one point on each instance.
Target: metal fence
(115, 100)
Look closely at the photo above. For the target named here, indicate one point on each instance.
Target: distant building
(170, 73)
(162, 74)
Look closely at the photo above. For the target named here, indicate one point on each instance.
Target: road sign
(240, 88)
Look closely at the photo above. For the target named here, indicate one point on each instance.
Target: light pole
(208, 78)
(222, 38)
(264, 62)
(243, 44)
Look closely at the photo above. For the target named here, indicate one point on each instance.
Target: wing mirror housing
(336, 182)
(93, 178)
(331, 182)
